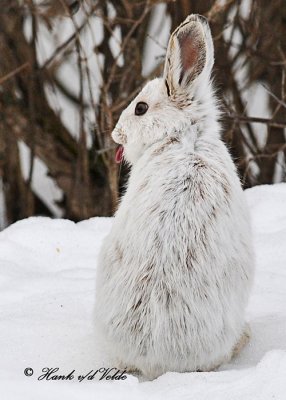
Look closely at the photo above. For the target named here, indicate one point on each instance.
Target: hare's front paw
(129, 369)
(243, 340)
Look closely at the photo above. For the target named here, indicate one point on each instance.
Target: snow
(47, 283)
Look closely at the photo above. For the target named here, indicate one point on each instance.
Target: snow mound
(47, 281)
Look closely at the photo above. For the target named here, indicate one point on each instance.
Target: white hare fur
(175, 272)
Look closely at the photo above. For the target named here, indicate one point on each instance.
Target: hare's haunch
(175, 272)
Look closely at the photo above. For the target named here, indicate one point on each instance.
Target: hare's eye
(141, 108)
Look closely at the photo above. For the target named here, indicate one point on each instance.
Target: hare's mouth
(119, 154)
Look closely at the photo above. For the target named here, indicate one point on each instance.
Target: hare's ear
(189, 57)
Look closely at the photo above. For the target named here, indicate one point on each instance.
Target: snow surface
(47, 273)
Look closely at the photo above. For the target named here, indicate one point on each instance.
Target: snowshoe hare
(175, 272)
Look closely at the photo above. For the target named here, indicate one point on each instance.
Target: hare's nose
(119, 136)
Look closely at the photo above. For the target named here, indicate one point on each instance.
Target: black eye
(73, 6)
(141, 108)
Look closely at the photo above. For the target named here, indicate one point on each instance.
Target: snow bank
(47, 274)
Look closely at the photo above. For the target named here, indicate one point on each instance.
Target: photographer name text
(53, 374)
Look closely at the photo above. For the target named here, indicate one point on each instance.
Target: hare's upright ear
(189, 57)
